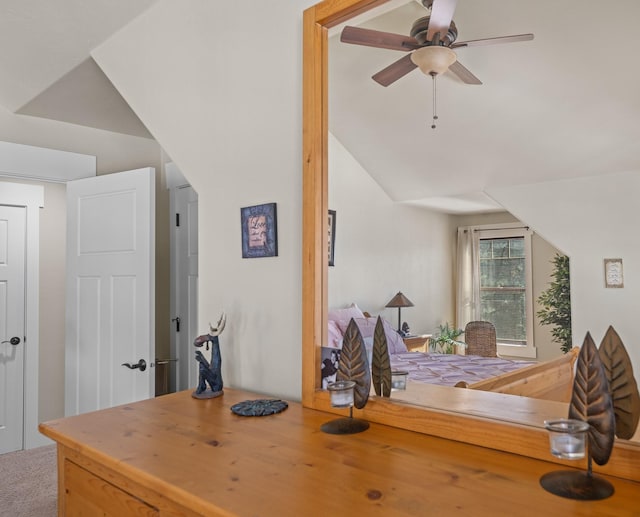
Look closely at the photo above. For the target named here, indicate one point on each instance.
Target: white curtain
(468, 271)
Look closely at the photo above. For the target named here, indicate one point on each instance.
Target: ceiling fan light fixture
(434, 59)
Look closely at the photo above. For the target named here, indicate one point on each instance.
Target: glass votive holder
(341, 393)
(399, 380)
(567, 438)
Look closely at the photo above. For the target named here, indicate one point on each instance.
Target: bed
(550, 380)
(453, 369)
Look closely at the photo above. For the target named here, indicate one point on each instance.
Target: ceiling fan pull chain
(435, 115)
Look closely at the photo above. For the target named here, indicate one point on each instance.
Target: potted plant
(446, 340)
(556, 303)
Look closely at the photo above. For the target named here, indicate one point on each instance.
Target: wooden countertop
(202, 456)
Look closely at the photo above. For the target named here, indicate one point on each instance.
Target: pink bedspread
(449, 369)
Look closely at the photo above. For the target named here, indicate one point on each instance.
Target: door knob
(15, 340)
(141, 364)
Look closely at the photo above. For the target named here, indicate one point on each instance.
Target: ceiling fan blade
(378, 39)
(440, 17)
(464, 74)
(493, 41)
(395, 71)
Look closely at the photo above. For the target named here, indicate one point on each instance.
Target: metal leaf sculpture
(622, 384)
(354, 365)
(591, 401)
(380, 362)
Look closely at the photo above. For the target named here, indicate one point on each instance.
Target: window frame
(504, 231)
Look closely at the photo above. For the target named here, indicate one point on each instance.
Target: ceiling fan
(429, 44)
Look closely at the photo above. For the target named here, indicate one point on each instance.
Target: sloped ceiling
(564, 105)
(45, 61)
(86, 97)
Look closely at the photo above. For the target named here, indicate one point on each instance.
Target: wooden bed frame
(550, 380)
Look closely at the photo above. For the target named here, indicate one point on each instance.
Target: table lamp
(399, 301)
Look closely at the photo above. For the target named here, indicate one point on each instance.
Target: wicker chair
(480, 337)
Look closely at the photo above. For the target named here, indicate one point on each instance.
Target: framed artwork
(259, 231)
(613, 273)
(332, 236)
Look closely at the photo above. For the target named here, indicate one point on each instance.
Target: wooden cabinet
(175, 455)
(88, 494)
(418, 343)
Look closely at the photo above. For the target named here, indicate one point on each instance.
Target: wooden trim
(498, 421)
(333, 12)
(60, 451)
(314, 199)
(469, 427)
(550, 380)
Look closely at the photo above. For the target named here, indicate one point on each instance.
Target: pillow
(395, 343)
(367, 327)
(343, 316)
(334, 336)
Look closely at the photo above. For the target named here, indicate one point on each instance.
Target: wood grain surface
(181, 455)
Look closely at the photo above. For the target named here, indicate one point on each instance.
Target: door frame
(32, 198)
(175, 180)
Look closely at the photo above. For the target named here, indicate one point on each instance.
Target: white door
(110, 290)
(186, 286)
(12, 329)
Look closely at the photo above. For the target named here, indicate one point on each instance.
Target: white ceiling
(563, 105)
(45, 64)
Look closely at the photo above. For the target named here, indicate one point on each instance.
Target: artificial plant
(556, 303)
(446, 341)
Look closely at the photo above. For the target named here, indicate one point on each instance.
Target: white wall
(219, 85)
(542, 265)
(53, 220)
(383, 247)
(590, 219)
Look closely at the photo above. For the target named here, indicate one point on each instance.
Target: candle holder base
(575, 484)
(346, 425)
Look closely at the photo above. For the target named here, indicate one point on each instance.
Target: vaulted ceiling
(564, 105)
(46, 65)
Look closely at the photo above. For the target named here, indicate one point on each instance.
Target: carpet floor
(28, 483)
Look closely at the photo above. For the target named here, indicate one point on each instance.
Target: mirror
(407, 245)
(391, 234)
(479, 418)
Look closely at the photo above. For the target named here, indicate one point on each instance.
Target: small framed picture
(332, 236)
(613, 273)
(330, 358)
(259, 231)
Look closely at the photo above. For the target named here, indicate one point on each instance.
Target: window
(501, 291)
(503, 288)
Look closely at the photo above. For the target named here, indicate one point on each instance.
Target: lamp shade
(399, 300)
(433, 59)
